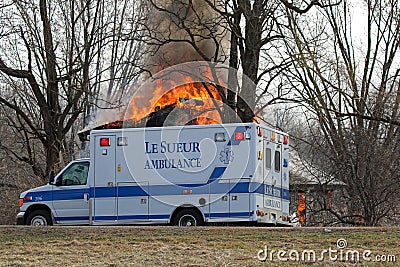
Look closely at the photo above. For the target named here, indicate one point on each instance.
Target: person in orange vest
(301, 208)
(330, 198)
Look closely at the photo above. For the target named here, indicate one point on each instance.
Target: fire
(196, 102)
(183, 94)
(113, 125)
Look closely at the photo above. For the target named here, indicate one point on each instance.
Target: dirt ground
(197, 246)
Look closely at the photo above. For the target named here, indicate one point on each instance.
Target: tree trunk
(233, 67)
(253, 29)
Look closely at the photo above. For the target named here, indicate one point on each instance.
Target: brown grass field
(201, 246)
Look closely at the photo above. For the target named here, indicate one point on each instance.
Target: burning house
(192, 103)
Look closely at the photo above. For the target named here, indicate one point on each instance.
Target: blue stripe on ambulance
(151, 217)
(217, 172)
(157, 190)
(43, 196)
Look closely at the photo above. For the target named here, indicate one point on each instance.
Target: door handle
(86, 197)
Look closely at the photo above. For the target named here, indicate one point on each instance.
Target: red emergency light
(260, 133)
(285, 140)
(104, 141)
(239, 136)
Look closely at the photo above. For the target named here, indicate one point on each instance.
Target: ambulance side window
(268, 158)
(277, 161)
(76, 174)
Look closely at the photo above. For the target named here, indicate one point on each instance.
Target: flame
(201, 100)
(113, 125)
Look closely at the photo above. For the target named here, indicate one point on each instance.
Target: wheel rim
(187, 220)
(39, 220)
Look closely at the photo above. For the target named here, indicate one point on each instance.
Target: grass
(173, 246)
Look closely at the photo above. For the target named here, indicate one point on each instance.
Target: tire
(188, 217)
(39, 218)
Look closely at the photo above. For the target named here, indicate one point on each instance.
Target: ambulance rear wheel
(39, 218)
(188, 217)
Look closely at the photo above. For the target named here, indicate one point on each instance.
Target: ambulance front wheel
(188, 217)
(39, 218)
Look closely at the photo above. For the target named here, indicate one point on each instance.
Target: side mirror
(58, 182)
(51, 177)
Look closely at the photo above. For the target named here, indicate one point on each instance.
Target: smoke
(103, 117)
(182, 31)
(175, 32)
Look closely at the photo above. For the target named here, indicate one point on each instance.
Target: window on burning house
(277, 161)
(268, 158)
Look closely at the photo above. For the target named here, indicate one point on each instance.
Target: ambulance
(179, 175)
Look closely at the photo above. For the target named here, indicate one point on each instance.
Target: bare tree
(120, 53)
(351, 97)
(50, 59)
(241, 33)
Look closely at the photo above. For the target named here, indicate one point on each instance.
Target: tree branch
(308, 7)
(24, 74)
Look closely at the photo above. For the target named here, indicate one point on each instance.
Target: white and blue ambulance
(180, 175)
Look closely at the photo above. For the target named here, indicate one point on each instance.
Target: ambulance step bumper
(20, 218)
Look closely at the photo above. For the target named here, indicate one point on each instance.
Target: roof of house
(303, 172)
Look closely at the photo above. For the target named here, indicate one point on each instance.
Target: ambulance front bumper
(20, 218)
